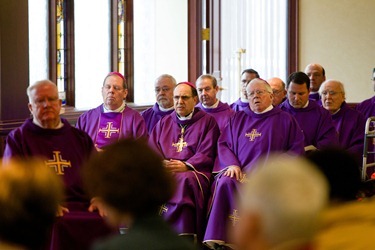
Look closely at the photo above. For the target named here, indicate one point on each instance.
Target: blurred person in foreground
(131, 183)
(27, 207)
(349, 222)
(280, 205)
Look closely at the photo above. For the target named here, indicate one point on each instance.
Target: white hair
(36, 85)
(341, 86)
(288, 194)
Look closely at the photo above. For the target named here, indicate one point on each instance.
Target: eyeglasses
(116, 88)
(164, 89)
(183, 97)
(258, 92)
(331, 93)
(43, 102)
(276, 92)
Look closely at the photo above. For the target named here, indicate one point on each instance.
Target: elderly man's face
(332, 96)
(164, 92)
(298, 95)
(278, 90)
(45, 105)
(315, 73)
(245, 78)
(184, 102)
(259, 97)
(113, 92)
(206, 92)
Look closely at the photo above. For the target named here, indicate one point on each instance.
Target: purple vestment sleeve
(367, 107)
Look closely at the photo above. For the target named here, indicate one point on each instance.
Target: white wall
(340, 35)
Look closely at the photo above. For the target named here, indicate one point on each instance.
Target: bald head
(317, 76)
(278, 89)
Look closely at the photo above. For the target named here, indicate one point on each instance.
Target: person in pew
(349, 123)
(315, 122)
(164, 86)
(145, 185)
(367, 107)
(30, 195)
(258, 131)
(246, 76)
(64, 149)
(207, 89)
(280, 205)
(317, 76)
(113, 119)
(278, 90)
(187, 139)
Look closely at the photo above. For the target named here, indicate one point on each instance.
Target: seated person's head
(280, 204)
(129, 179)
(29, 197)
(341, 170)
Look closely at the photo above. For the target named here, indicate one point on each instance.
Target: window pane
(38, 40)
(92, 50)
(160, 44)
(260, 28)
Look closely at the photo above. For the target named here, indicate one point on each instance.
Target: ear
(125, 93)
(195, 99)
(30, 107)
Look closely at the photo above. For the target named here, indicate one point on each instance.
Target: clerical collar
(118, 110)
(244, 99)
(336, 111)
(184, 118)
(312, 92)
(165, 110)
(60, 125)
(213, 106)
(266, 110)
(307, 104)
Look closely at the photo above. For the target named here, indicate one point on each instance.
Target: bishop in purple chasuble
(193, 142)
(248, 137)
(105, 128)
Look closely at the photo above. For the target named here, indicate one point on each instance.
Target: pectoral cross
(253, 134)
(180, 144)
(108, 130)
(58, 163)
(234, 217)
(163, 209)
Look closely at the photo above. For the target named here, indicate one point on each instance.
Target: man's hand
(97, 205)
(175, 166)
(234, 171)
(61, 211)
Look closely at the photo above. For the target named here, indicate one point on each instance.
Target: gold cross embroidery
(108, 130)
(180, 144)
(163, 209)
(58, 163)
(234, 217)
(253, 134)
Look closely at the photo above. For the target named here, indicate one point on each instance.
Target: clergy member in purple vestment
(64, 149)
(349, 123)
(256, 132)
(367, 107)
(246, 76)
(207, 89)
(278, 90)
(112, 120)
(315, 122)
(317, 76)
(186, 139)
(164, 86)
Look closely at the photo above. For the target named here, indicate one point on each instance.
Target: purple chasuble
(106, 128)
(239, 105)
(350, 125)
(222, 113)
(248, 137)
(64, 150)
(367, 107)
(316, 124)
(153, 115)
(314, 96)
(186, 210)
